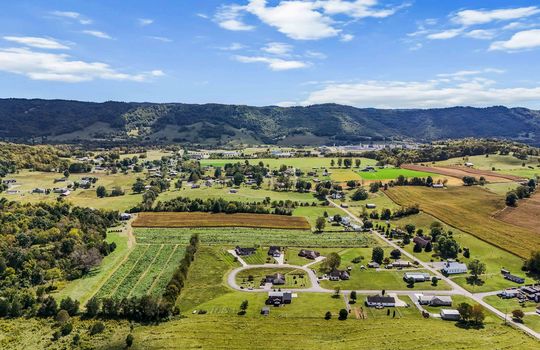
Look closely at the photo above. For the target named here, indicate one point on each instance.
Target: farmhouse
(380, 301)
(337, 275)
(435, 300)
(244, 251)
(277, 279)
(274, 251)
(450, 315)
(279, 298)
(416, 276)
(452, 268)
(401, 263)
(421, 241)
(309, 254)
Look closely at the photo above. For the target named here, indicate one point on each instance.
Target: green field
(391, 174)
(249, 237)
(503, 164)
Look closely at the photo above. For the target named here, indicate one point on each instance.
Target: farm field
(470, 209)
(391, 174)
(294, 278)
(312, 213)
(526, 215)
(249, 237)
(503, 164)
(305, 164)
(459, 172)
(198, 219)
(344, 175)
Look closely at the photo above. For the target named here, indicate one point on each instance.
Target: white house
(435, 300)
(450, 315)
(416, 276)
(452, 268)
(380, 301)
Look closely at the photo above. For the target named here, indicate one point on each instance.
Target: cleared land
(196, 219)
(391, 174)
(470, 209)
(527, 214)
(459, 172)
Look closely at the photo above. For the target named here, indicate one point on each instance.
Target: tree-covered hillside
(73, 121)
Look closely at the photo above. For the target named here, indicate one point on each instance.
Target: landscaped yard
(294, 278)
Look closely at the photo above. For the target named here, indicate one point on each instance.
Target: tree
(97, 328)
(353, 295)
(332, 261)
(238, 178)
(357, 162)
(477, 314)
(377, 255)
(518, 315)
(447, 247)
(101, 192)
(465, 311)
(244, 305)
(70, 305)
(511, 199)
(395, 254)
(351, 184)
(360, 194)
(347, 162)
(62, 317)
(434, 281)
(327, 315)
(476, 268)
(469, 180)
(332, 163)
(320, 224)
(339, 162)
(533, 263)
(92, 307)
(48, 308)
(343, 314)
(138, 186)
(129, 340)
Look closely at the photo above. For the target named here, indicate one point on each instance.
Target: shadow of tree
(474, 281)
(469, 325)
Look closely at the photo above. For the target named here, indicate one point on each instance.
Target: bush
(129, 340)
(97, 328)
(66, 329)
(343, 314)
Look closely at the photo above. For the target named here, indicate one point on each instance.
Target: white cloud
(233, 47)
(475, 17)
(275, 64)
(463, 73)
(97, 34)
(203, 15)
(61, 67)
(279, 49)
(72, 15)
(316, 54)
(482, 34)
(41, 43)
(526, 39)
(230, 17)
(302, 19)
(160, 38)
(145, 21)
(446, 34)
(346, 37)
(475, 91)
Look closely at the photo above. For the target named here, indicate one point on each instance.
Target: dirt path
(131, 237)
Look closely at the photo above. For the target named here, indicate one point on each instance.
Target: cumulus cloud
(98, 34)
(61, 67)
(72, 15)
(41, 43)
(275, 64)
(475, 17)
(346, 37)
(446, 34)
(302, 19)
(482, 34)
(526, 39)
(279, 49)
(473, 91)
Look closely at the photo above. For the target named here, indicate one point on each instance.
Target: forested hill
(24, 120)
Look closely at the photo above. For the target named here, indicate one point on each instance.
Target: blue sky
(367, 53)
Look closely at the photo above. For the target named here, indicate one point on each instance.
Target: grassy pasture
(249, 237)
(503, 164)
(391, 174)
(197, 219)
(470, 209)
(312, 213)
(525, 215)
(305, 164)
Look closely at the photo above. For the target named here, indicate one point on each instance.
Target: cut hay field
(526, 214)
(460, 172)
(502, 164)
(198, 219)
(471, 210)
(231, 237)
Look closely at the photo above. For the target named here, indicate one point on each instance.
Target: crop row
(167, 271)
(118, 276)
(244, 236)
(152, 273)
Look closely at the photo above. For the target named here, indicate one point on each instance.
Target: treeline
(219, 205)
(180, 274)
(387, 214)
(42, 158)
(521, 192)
(444, 150)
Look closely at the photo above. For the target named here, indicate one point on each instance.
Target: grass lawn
(380, 199)
(532, 321)
(312, 213)
(470, 209)
(391, 174)
(260, 257)
(508, 305)
(82, 289)
(344, 175)
(291, 255)
(294, 278)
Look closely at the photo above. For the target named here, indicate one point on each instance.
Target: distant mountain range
(62, 121)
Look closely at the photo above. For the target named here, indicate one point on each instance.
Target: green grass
(294, 278)
(291, 255)
(532, 321)
(250, 237)
(83, 288)
(503, 164)
(260, 257)
(508, 305)
(391, 174)
(312, 213)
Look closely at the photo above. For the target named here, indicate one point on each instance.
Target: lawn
(260, 257)
(294, 278)
(250, 237)
(391, 174)
(470, 209)
(508, 305)
(291, 255)
(312, 213)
